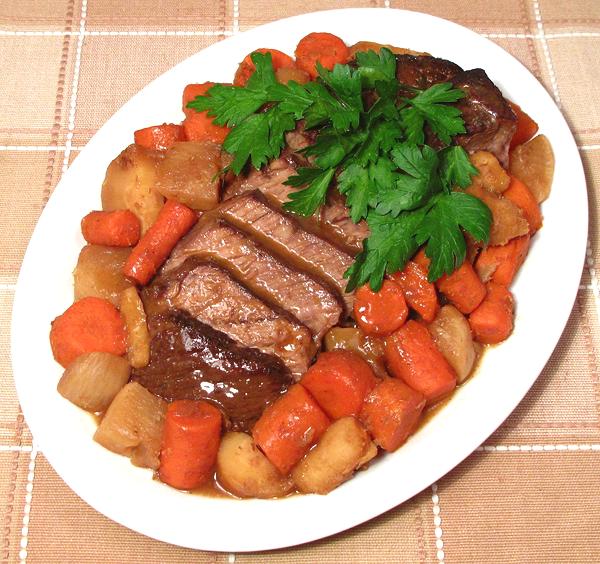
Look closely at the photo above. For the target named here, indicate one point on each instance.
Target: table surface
(529, 494)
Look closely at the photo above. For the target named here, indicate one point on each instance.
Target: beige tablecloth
(529, 494)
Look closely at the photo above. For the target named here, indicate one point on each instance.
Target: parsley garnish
(408, 193)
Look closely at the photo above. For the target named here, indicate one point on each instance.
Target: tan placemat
(530, 494)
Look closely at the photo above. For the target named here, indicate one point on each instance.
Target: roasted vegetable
(353, 339)
(491, 174)
(533, 164)
(138, 337)
(93, 379)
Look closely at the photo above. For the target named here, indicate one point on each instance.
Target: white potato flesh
(491, 174)
(245, 471)
(452, 335)
(340, 451)
(533, 164)
(138, 336)
(130, 185)
(93, 380)
(133, 425)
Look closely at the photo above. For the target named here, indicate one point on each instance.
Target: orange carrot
(191, 439)
(380, 313)
(172, 223)
(118, 228)
(159, 137)
(323, 48)
(339, 381)
(526, 127)
(463, 288)
(500, 263)
(419, 293)
(246, 68)
(289, 427)
(391, 413)
(519, 194)
(411, 355)
(198, 126)
(89, 325)
(492, 321)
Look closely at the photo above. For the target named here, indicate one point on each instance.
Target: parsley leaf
(305, 202)
(374, 67)
(355, 183)
(441, 230)
(455, 167)
(444, 120)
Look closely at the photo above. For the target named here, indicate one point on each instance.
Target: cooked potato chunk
(340, 451)
(245, 471)
(353, 339)
(533, 164)
(133, 425)
(508, 220)
(92, 380)
(491, 174)
(99, 273)
(189, 174)
(138, 337)
(130, 185)
(452, 335)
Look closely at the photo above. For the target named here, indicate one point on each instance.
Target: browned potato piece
(452, 336)
(353, 339)
(372, 46)
(369, 454)
(339, 452)
(491, 174)
(133, 425)
(508, 221)
(533, 164)
(93, 379)
(130, 185)
(189, 174)
(138, 337)
(99, 273)
(285, 74)
(245, 471)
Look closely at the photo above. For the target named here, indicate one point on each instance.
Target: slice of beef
(190, 360)
(264, 274)
(282, 234)
(332, 221)
(489, 119)
(423, 71)
(212, 296)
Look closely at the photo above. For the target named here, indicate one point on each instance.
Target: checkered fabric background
(529, 494)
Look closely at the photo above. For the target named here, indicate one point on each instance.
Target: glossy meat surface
(212, 296)
(190, 360)
(264, 274)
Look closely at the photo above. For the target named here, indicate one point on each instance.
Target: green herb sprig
(377, 155)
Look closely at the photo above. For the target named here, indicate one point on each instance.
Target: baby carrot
(380, 313)
(526, 127)
(172, 223)
(463, 288)
(89, 325)
(492, 321)
(159, 137)
(391, 413)
(339, 381)
(246, 68)
(289, 427)
(419, 293)
(118, 228)
(191, 438)
(501, 263)
(323, 48)
(198, 126)
(411, 355)
(518, 193)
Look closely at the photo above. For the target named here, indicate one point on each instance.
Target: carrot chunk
(518, 193)
(412, 356)
(492, 321)
(89, 325)
(172, 223)
(339, 381)
(526, 127)
(190, 443)
(391, 413)
(118, 228)
(380, 313)
(289, 427)
(501, 263)
(419, 293)
(246, 69)
(198, 126)
(463, 288)
(323, 48)
(159, 137)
